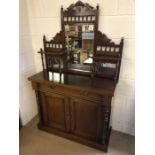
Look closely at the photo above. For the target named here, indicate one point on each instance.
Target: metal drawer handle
(84, 93)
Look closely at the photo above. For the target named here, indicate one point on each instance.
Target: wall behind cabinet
(27, 103)
(116, 20)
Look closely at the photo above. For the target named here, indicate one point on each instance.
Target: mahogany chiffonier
(81, 68)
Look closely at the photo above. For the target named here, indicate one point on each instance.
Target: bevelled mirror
(79, 41)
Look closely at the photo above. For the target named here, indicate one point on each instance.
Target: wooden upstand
(74, 108)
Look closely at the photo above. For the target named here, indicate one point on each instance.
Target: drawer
(70, 91)
(49, 88)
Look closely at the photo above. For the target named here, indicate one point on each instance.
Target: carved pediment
(79, 8)
(58, 38)
(103, 39)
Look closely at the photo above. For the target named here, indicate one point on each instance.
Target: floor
(36, 142)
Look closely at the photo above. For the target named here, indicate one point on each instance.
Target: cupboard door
(55, 111)
(86, 119)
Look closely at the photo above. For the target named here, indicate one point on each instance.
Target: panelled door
(87, 119)
(55, 111)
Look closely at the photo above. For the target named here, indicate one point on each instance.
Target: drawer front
(69, 91)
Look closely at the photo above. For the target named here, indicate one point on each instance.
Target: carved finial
(61, 7)
(44, 38)
(97, 6)
(122, 41)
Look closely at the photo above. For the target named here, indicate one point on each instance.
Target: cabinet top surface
(99, 85)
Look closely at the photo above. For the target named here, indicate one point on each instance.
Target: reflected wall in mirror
(79, 41)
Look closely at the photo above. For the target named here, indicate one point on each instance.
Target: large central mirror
(79, 42)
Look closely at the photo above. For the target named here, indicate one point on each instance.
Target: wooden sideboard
(81, 67)
(74, 107)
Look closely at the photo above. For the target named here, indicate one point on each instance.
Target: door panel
(55, 110)
(86, 119)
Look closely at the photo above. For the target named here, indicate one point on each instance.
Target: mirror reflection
(79, 40)
(54, 63)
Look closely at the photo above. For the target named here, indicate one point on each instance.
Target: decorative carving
(80, 8)
(106, 124)
(58, 38)
(39, 106)
(102, 39)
